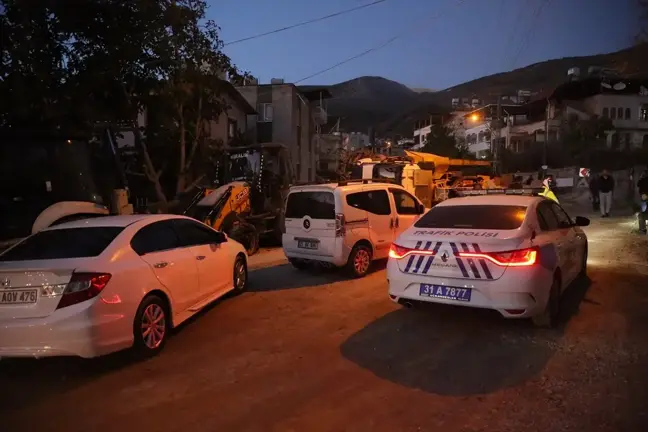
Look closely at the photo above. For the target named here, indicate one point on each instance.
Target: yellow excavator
(246, 199)
(419, 173)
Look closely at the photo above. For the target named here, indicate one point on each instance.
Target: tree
(580, 138)
(441, 141)
(112, 61)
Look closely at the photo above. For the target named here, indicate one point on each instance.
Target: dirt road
(315, 352)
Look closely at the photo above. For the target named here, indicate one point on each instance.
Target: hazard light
(400, 252)
(517, 258)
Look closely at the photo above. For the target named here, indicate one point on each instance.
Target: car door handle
(161, 264)
(200, 257)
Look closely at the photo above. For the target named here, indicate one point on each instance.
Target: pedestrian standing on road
(606, 190)
(594, 191)
(642, 185)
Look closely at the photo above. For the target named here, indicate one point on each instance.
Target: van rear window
(493, 217)
(316, 205)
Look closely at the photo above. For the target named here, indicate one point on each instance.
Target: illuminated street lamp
(474, 117)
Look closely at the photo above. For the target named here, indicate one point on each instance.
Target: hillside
(392, 107)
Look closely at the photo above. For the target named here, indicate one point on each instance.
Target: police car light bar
(525, 191)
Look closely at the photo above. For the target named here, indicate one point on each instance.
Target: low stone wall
(625, 190)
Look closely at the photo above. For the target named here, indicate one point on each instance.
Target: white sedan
(513, 254)
(91, 287)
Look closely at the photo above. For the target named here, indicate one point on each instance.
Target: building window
(613, 113)
(644, 143)
(628, 140)
(265, 112)
(627, 114)
(232, 128)
(615, 141)
(299, 134)
(643, 113)
(298, 173)
(606, 112)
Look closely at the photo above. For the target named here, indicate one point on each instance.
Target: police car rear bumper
(519, 293)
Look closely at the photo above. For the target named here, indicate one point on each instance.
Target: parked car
(346, 224)
(94, 286)
(513, 254)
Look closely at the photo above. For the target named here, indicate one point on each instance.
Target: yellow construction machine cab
(247, 196)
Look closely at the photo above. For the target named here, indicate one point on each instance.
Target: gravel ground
(316, 352)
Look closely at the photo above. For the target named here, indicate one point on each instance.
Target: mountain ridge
(392, 108)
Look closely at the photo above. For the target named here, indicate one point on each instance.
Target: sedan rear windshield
(488, 217)
(63, 243)
(316, 205)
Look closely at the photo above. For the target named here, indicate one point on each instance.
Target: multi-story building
(623, 101)
(422, 128)
(519, 127)
(224, 128)
(291, 116)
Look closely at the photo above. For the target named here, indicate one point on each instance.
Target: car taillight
(340, 229)
(399, 252)
(517, 258)
(82, 287)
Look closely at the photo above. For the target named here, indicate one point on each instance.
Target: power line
(378, 47)
(290, 27)
(516, 23)
(527, 39)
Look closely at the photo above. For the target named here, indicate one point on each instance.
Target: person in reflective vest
(546, 191)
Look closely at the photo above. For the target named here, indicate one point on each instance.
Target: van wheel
(359, 261)
(549, 317)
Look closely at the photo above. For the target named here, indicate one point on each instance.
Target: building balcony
(320, 116)
(480, 146)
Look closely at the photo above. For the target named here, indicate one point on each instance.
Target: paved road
(314, 352)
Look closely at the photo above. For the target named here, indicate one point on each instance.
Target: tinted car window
(316, 205)
(495, 217)
(194, 233)
(63, 243)
(376, 202)
(405, 203)
(563, 219)
(546, 217)
(158, 236)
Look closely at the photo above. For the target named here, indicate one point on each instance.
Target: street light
(474, 117)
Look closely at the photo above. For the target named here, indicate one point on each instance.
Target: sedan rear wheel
(151, 326)
(549, 317)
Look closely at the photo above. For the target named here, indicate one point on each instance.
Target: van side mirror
(581, 221)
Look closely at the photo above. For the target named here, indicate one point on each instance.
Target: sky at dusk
(443, 43)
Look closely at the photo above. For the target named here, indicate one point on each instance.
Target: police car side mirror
(581, 221)
(420, 208)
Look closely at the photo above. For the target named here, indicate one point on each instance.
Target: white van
(346, 224)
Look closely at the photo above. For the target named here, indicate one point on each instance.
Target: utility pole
(498, 134)
(546, 137)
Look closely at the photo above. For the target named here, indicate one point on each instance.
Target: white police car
(512, 253)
